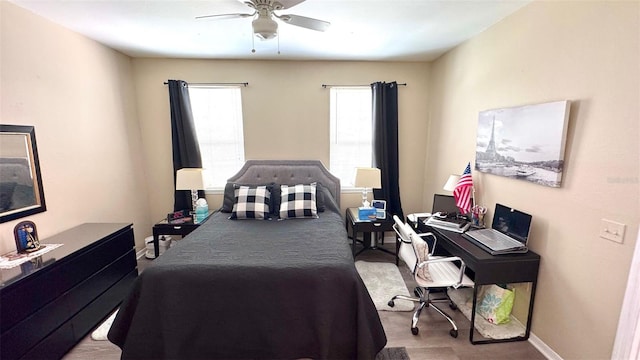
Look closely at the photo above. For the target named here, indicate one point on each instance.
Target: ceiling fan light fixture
(265, 28)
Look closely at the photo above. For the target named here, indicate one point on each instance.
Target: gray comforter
(239, 289)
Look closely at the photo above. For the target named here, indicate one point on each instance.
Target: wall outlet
(612, 230)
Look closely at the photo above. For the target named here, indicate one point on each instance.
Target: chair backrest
(406, 252)
(414, 250)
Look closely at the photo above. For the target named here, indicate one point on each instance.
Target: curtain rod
(333, 85)
(245, 84)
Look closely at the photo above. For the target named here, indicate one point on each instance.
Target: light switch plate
(612, 230)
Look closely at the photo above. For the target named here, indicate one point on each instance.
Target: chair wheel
(414, 331)
(453, 305)
(391, 303)
(453, 333)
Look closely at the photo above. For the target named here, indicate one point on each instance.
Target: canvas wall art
(525, 142)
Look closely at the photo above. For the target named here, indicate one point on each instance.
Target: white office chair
(442, 272)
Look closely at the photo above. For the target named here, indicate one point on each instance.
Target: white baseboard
(543, 348)
(140, 253)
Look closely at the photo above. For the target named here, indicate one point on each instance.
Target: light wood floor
(432, 342)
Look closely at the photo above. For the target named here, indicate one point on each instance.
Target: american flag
(463, 189)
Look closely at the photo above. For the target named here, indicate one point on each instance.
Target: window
(351, 132)
(217, 113)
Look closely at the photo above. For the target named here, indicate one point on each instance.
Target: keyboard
(496, 242)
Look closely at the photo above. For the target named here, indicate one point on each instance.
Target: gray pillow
(229, 198)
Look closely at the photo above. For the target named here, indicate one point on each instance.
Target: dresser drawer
(53, 303)
(84, 321)
(46, 285)
(98, 283)
(28, 333)
(53, 346)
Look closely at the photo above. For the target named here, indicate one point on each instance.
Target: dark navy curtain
(385, 144)
(184, 140)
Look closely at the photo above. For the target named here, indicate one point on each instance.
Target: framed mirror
(21, 192)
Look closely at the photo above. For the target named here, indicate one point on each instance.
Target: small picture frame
(381, 208)
(26, 237)
(178, 216)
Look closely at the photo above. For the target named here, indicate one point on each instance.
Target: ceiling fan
(264, 25)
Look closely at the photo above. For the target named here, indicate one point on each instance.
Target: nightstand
(164, 228)
(367, 228)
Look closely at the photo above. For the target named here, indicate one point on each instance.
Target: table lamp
(190, 179)
(367, 178)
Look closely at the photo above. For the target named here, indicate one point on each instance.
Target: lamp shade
(368, 178)
(451, 183)
(189, 179)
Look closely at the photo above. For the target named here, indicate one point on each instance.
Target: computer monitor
(446, 204)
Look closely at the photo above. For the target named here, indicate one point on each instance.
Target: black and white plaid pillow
(298, 201)
(252, 202)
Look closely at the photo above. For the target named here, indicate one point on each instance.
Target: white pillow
(298, 201)
(252, 202)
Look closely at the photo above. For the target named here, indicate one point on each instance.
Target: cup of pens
(477, 215)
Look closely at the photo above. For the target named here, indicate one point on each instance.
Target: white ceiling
(393, 30)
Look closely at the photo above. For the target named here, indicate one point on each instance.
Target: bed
(258, 289)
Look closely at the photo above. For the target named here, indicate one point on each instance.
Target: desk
(164, 228)
(489, 269)
(354, 226)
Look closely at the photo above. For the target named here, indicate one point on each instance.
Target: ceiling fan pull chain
(253, 43)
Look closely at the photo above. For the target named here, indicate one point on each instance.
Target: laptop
(450, 218)
(509, 232)
(446, 205)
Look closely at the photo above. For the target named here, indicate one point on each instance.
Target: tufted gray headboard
(287, 172)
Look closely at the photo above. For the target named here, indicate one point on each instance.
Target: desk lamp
(367, 178)
(190, 179)
(451, 183)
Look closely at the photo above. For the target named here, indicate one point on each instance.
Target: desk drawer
(507, 272)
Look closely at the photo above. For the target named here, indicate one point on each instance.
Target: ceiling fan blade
(286, 4)
(305, 22)
(225, 16)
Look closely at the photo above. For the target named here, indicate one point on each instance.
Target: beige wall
(79, 96)
(586, 52)
(286, 114)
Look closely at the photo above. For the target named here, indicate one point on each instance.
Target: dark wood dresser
(51, 302)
